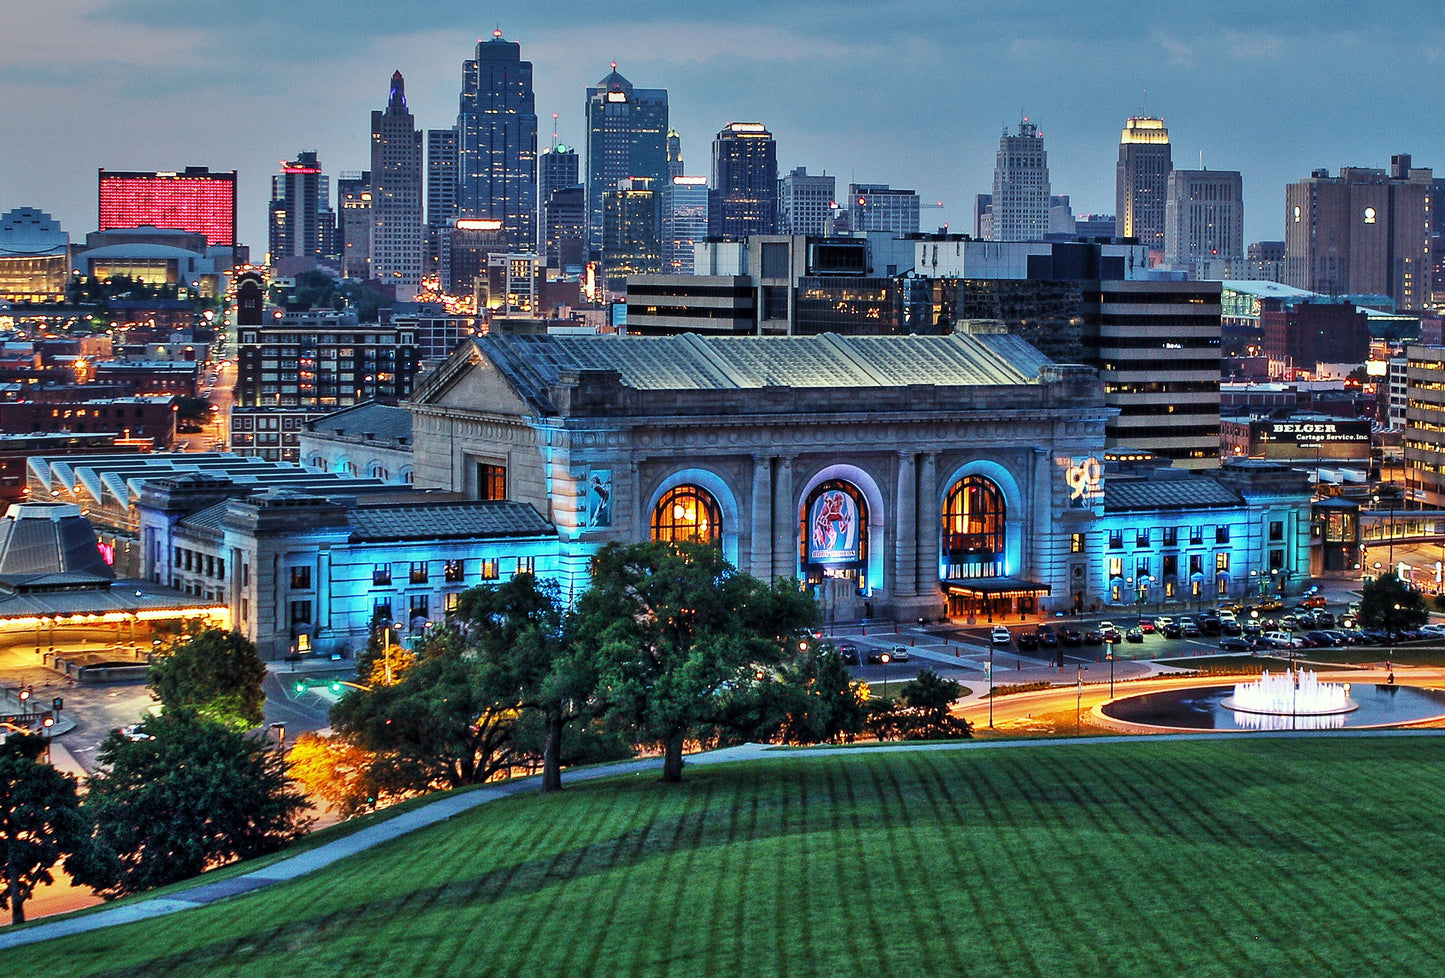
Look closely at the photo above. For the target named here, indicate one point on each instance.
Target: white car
(1283, 640)
(1000, 636)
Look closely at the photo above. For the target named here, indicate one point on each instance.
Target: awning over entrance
(996, 587)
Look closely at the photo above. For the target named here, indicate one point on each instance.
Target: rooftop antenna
(554, 132)
(1201, 159)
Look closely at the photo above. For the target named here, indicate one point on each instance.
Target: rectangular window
(1169, 589)
(526, 565)
(491, 481)
(1141, 538)
(1196, 588)
(1221, 561)
(381, 575)
(300, 613)
(301, 578)
(1171, 565)
(418, 572)
(1114, 592)
(1276, 560)
(1171, 536)
(245, 575)
(1221, 534)
(1276, 530)
(1221, 587)
(454, 572)
(1076, 543)
(418, 606)
(1116, 567)
(489, 569)
(381, 609)
(1196, 564)
(1141, 568)
(452, 599)
(1116, 539)
(1196, 535)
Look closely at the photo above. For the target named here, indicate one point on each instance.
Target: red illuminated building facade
(194, 200)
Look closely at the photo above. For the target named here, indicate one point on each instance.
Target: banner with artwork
(833, 529)
(599, 498)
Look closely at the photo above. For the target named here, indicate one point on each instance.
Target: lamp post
(989, 670)
(280, 731)
(1390, 662)
(885, 658)
(1109, 654)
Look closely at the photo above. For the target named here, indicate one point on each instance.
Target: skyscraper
(1141, 180)
(397, 239)
(497, 140)
(441, 177)
(1364, 232)
(879, 207)
(674, 154)
(1204, 216)
(300, 196)
(684, 222)
(744, 181)
(557, 167)
(632, 240)
(353, 202)
(1019, 207)
(626, 137)
(805, 201)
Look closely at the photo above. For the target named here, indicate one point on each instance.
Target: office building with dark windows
(626, 137)
(398, 244)
(744, 182)
(1141, 180)
(497, 141)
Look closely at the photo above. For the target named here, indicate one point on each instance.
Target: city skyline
(124, 85)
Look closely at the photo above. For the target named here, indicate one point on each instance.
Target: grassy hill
(1252, 856)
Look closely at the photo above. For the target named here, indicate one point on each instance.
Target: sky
(913, 93)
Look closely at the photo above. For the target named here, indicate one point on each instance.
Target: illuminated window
(418, 572)
(1116, 567)
(489, 569)
(454, 571)
(381, 575)
(974, 529)
(491, 481)
(526, 565)
(1221, 561)
(687, 514)
(1076, 543)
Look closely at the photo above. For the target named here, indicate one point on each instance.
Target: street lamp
(1109, 654)
(885, 658)
(991, 644)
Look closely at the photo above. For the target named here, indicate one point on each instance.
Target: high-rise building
(497, 140)
(626, 137)
(441, 177)
(684, 222)
(1141, 181)
(566, 231)
(744, 181)
(674, 154)
(195, 200)
(1019, 208)
(557, 167)
(300, 209)
(879, 207)
(398, 243)
(805, 202)
(1364, 232)
(1204, 216)
(632, 226)
(353, 200)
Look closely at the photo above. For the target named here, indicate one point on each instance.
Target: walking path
(445, 808)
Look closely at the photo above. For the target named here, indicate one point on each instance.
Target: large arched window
(834, 532)
(687, 514)
(974, 529)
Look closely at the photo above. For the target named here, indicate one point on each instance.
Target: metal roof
(1194, 492)
(408, 521)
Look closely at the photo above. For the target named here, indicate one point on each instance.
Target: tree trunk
(672, 758)
(552, 753)
(17, 903)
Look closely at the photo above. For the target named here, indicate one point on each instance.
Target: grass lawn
(1251, 856)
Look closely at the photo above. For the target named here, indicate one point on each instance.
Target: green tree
(193, 795)
(808, 698)
(521, 630)
(217, 674)
(39, 820)
(1390, 604)
(440, 726)
(921, 712)
(673, 628)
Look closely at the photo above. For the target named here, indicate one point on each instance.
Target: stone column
(761, 555)
(785, 521)
(929, 523)
(905, 546)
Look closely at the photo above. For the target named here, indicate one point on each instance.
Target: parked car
(1093, 637)
(1000, 636)
(1320, 639)
(1071, 637)
(1269, 604)
(1230, 643)
(1228, 626)
(1027, 640)
(1189, 627)
(1146, 625)
(1251, 629)
(1314, 601)
(1283, 640)
(1048, 638)
(1111, 632)
(1135, 634)
(1161, 621)
(1172, 629)
(1210, 626)
(1324, 619)
(848, 654)
(899, 653)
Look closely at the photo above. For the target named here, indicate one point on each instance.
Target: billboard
(834, 529)
(1084, 477)
(1316, 438)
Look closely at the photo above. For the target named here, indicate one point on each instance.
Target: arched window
(974, 529)
(834, 533)
(687, 514)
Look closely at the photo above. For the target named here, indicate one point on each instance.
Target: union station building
(901, 476)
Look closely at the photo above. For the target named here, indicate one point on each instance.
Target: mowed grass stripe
(1272, 857)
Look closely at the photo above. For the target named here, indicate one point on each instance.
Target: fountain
(1292, 695)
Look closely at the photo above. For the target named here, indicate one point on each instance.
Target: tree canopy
(191, 795)
(217, 674)
(673, 627)
(39, 820)
(1391, 604)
